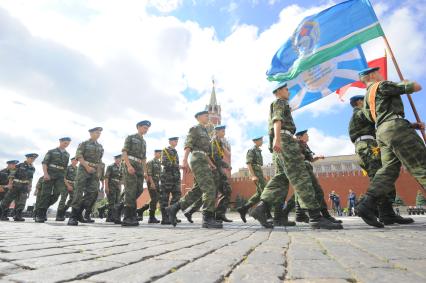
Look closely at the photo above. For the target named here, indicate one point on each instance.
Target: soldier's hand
(131, 170)
(254, 178)
(418, 126)
(90, 170)
(212, 166)
(185, 166)
(276, 144)
(69, 188)
(46, 177)
(1, 189)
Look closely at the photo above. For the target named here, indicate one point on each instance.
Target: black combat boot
(209, 221)
(18, 216)
(116, 213)
(243, 211)
(366, 209)
(388, 216)
(3, 215)
(40, 215)
(317, 221)
(188, 214)
(129, 218)
(327, 215)
(87, 217)
(140, 211)
(73, 220)
(281, 217)
(152, 219)
(223, 218)
(260, 214)
(301, 214)
(60, 215)
(172, 212)
(164, 217)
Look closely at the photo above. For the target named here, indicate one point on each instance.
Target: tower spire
(213, 101)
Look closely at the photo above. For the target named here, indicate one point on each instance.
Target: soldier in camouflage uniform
(153, 182)
(134, 156)
(113, 186)
(100, 172)
(170, 177)
(281, 130)
(69, 190)
(198, 143)
(54, 165)
(38, 195)
(363, 134)
(89, 155)
(4, 177)
(396, 137)
(20, 186)
(254, 162)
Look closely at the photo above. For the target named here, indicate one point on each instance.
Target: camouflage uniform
(293, 162)
(154, 171)
(22, 179)
(70, 178)
(221, 180)
(398, 141)
(86, 184)
(135, 146)
(113, 177)
(56, 161)
(38, 192)
(198, 141)
(170, 177)
(4, 181)
(255, 159)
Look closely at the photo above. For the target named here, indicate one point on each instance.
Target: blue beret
(143, 123)
(173, 138)
(117, 156)
(158, 150)
(32, 155)
(301, 133)
(278, 86)
(95, 129)
(201, 113)
(356, 98)
(368, 71)
(220, 127)
(12, 162)
(65, 139)
(257, 138)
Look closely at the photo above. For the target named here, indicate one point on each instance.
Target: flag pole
(401, 77)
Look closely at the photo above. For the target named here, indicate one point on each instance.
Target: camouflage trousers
(371, 162)
(50, 191)
(296, 173)
(399, 143)
(204, 185)
(18, 194)
(154, 195)
(319, 192)
(170, 191)
(133, 185)
(113, 196)
(260, 185)
(63, 203)
(86, 188)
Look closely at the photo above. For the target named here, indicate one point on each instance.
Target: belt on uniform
(117, 180)
(365, 137)
(286, 132)
(393, 117)
(56, 166)
(92, 164)
(199, 151)
(71, 182)
(135, 159)
(21, 181)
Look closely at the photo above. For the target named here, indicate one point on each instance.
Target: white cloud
(165, 6)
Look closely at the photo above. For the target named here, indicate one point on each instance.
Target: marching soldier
(198, 143)
(20, 186)
(113, 186)
(134, 156)
(69, 190)
(398, 141)
(89, 155)
(363, 134)
(281, 130)
(54, 165)
(254, 162)
(170, 177)
(154, 174)
(4, 177)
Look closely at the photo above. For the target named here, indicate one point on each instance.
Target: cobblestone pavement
(103, 252)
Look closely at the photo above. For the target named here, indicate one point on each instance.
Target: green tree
(420, 199)
(399, 201)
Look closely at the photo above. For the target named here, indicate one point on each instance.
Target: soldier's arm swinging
(276, 145)
(45, 173)
(130, 168)
(185, 160)
(251, 172)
